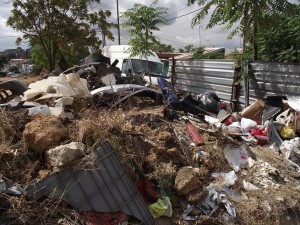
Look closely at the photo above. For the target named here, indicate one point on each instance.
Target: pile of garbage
(107, 150)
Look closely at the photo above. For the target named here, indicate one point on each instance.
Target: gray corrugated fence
(267, 79)
(264, 79)
(198, 76)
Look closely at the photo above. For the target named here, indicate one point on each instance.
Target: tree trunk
(146, 47)
(255, 53)
(245, 26)
(53, 50)
(245, 30)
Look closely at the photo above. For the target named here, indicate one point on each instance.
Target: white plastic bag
(247, 125)
(227, 179)
(235, 156)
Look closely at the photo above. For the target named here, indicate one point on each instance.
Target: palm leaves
(141, 21)
(246, 15)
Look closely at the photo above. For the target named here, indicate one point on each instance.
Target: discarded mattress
(102, 186)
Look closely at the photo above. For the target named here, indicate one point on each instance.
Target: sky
(178, 33)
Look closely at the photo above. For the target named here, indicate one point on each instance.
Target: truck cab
(136, 65)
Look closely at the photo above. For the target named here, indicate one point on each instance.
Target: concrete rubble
(62, 155)
(186, 180)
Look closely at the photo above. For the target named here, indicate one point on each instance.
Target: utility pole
(118, 22)
(103, 39)
(199, 35)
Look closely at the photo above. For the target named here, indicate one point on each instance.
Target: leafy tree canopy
(3, 60)
(13, 69)
(141, 21)
(160, 47)
(58, 25)
(281, 43)
(243, 14)
(199, 54)
(187, 48)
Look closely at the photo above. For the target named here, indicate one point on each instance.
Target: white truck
(135, 65)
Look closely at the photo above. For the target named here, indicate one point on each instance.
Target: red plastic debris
(97, 218)
(223, 105)
(262, 140)
(194, 134)
(147, 191)
(261, 132)
(229, 120)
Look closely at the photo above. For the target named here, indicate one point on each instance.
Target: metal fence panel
(264, 79)
(199, 76)
(269, 79)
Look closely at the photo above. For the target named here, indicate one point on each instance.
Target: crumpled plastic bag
(247, 125)
(162, 207)
(227, 179)
(235, 156)
(287, 132)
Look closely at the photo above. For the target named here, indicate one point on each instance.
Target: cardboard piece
(254, 111)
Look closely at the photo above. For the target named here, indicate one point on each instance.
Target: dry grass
(12, 124)
(7, 129)
(96, 126)
(164, 174)
(22, 211)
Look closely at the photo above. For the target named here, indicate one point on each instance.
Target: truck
(136, 65)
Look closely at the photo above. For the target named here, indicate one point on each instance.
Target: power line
(180, 43)
(176, 11)
(184, 14)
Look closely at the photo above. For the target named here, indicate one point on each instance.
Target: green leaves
(281, 43)
(141, 21)
(245, 15)
(58, 24)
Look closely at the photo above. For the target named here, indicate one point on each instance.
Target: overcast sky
(179, 33)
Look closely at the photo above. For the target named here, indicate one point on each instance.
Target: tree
(14, 69)
(3, 60)
(189, 48)
(57, 25)
(282, 42)
(247, 15)
(199, 54)
(141, 21)
(160, 47)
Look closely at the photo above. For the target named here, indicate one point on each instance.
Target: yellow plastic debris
(162, 207)
(287, 132)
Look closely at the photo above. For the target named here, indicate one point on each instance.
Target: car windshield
(140, 66)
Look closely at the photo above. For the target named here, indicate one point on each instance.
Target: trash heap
(123, 153)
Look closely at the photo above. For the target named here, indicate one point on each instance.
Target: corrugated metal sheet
(269, 79)
(199, 76)
(265, 79)
(102, 186)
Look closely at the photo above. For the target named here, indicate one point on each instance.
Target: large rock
(44, 132)
(186, 180)
(65, 154)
